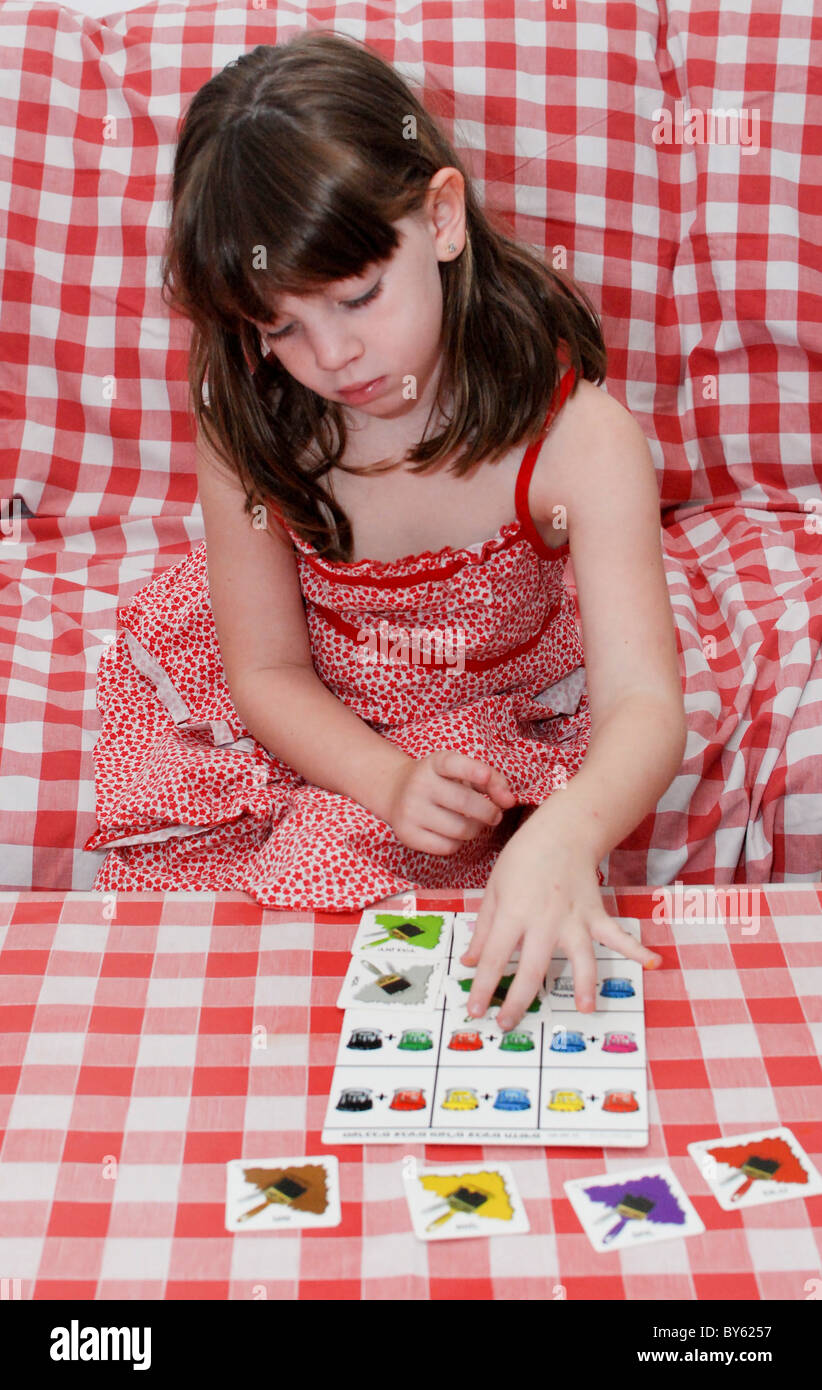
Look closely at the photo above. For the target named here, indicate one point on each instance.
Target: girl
(400, 439)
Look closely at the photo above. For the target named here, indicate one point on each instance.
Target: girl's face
(386, 323)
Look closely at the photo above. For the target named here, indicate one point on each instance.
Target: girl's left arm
(638, 726)
(543, 890)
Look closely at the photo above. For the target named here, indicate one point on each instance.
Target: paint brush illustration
(284, 1190)
(405, 931)
(647, 1198)
(632, 1208)
(754, 1167)
(464, 1199)
(393, 982)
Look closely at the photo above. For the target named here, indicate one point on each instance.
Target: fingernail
(503, 1023)
(653, 964)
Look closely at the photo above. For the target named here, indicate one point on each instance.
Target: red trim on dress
(398, 581)
(508, 534)
(481, 663)
(526, 470)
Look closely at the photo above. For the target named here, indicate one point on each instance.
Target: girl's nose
(335, 349)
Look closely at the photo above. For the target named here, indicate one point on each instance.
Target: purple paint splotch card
(623, 1209)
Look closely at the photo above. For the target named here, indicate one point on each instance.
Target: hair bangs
(289, 217)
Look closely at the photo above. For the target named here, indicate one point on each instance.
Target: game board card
(282, 1194)
(476, 1044)
(455, 1201)
(412, 1063)
(422, 935)
(370, 1039)
(596, 1101)
(472, 1101)
(618, 990)
(750, 1170)
(392, 982)
(457, 988)
(623, 1209)
(380, 1101)
(584, 1040)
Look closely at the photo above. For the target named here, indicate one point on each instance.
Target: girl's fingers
(534, 961)
(499, 791)
(493, 960)
(481, 776)
(451, 825)
(583, 965)
(605, 930)
(528, 980)
(482, 927)
(429, 843)
(464, 801)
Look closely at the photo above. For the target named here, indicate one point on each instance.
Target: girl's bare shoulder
(588, 414)
(587, 448)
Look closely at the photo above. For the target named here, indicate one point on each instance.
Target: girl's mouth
(363, 393)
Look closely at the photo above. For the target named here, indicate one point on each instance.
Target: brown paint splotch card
(276, 1194)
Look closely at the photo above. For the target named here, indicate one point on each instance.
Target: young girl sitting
(369, 678)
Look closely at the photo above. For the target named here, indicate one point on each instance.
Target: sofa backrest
(666, 153)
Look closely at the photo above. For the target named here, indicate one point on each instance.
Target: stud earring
(451, 246)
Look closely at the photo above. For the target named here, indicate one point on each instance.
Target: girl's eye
(351, 304)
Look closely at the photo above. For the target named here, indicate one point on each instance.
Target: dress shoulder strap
(526, 470)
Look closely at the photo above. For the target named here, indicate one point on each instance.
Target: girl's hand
(440, 801)
(542, 892)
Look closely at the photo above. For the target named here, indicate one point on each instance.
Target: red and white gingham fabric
(746, 806)
(132, 1072)
(701, 257)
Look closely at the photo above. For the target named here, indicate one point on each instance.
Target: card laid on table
(452, 1201)
(624, 1209)
(423, 935)
(749, 1170)
(282, 1194)
(392, 981)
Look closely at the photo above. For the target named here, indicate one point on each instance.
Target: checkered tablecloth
(147, 1041)
(699, 255)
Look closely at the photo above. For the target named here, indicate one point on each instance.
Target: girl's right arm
(263, 636)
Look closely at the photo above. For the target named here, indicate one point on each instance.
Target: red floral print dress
(475, 648)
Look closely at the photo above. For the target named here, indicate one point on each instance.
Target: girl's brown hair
(291, 166)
